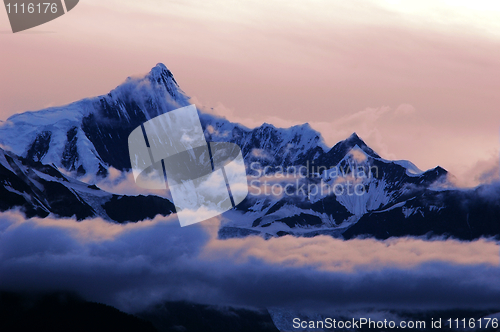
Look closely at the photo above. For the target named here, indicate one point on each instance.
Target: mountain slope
(382, 184)
(347, 190)
(88, 136)
(40, 190)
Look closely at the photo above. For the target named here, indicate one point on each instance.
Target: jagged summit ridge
(90, 135)
(160, 71)
(160, 74)
(351, 142)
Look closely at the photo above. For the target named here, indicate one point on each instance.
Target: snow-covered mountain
(40, 190)
(87, 138)
(90, 135)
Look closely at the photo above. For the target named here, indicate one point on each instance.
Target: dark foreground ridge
(67, 312)
(64, 312)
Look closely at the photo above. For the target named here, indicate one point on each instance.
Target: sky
(417, 80)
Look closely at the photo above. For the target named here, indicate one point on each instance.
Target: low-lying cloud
(132, 266)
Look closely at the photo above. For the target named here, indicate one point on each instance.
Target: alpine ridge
(54, 157)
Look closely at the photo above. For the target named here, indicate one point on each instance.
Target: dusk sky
(416, 81)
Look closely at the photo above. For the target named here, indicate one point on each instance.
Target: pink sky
(417, 80)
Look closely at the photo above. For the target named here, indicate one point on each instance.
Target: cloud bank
(132, 266)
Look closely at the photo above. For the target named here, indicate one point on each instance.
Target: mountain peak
(161, 74)
(354, 136)
(162, 77)
(159, 69)
(160, 66)
(343, 147)
(354, 139)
